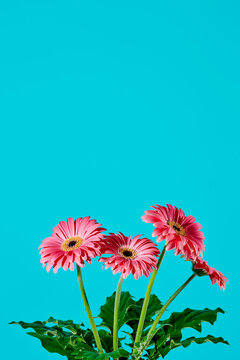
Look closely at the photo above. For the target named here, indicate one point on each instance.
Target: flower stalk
(116, 312)
(147, 297)
(89, 312)
(153, 329)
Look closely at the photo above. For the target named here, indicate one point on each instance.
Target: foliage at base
(77, 342)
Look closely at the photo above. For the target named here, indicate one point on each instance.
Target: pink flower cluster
(181, 232)
(136, 256)
(215, 275)
(81, 240)
(183, 235)
(72, 242)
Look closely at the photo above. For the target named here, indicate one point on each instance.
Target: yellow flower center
(128, 253)
(72, 243)
(177, 227)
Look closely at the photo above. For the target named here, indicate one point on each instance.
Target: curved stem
(88, 310)
(116, 311)
(147, 297)
(153, 330)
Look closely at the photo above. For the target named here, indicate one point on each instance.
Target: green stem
(88, 310)
(153, 330)
(147, 297)
(116, 310)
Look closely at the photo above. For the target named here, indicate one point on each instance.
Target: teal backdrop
(107, 108)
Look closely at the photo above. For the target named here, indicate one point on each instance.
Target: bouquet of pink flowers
(76, 242)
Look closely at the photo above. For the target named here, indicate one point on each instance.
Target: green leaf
(54, 325)
(69, 339)
(193, 318)
(54, 344)
(67, 324)
(209, 338)
(59, 336)
(107, 310)
(189, 319)
(129, 311)
(38, 326)
(106, 340)
(155, 354)
(170, 334)
(134, 312)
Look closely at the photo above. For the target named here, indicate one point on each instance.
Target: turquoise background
(109, 107)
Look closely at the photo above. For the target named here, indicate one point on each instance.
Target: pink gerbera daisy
(136, 256)
(71, 242)
(180, 232)
(201, 267)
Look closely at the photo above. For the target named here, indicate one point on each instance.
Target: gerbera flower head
(137, 256)
(201, 267)
(180, 232)
(71, 242)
